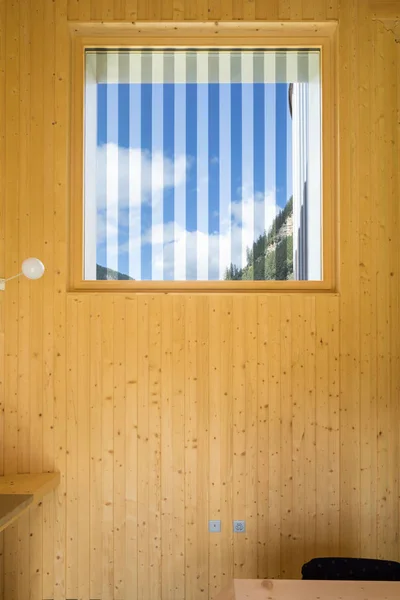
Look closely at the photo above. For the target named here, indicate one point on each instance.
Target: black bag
(351, 569)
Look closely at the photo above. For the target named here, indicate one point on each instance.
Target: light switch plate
(239, 526)
(214, 526)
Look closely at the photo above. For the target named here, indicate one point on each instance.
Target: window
(202, 165)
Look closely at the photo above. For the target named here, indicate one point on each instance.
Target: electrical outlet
(214, 526)
(239, 526)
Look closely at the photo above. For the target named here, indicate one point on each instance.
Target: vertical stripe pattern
(202, 165)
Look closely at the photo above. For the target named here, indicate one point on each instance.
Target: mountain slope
(106, 274)
(271, 257)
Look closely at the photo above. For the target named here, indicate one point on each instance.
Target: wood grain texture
(162, 412)
(310, 590)
(385, 9)
(350, 289)
(203, 10)
(37, 484)
(12, 507)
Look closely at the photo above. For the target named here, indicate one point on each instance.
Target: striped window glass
(202, 165)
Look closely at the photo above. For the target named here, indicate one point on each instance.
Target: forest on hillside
(271, 256)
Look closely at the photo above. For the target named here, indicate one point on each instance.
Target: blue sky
(267, 99)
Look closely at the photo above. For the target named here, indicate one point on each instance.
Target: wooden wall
(162, 412)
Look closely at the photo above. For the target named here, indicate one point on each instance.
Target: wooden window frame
(230, 35)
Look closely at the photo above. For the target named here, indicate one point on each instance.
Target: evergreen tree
(271, 256)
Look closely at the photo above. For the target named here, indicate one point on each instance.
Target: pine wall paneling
(2, 260)
(162, 412)
(385, 9)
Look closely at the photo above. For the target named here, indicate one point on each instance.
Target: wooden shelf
(18, 492)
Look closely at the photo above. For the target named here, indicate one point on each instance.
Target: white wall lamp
(32, 268)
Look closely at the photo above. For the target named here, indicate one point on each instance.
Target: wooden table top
(280, 589)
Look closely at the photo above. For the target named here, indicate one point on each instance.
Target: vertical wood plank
(284, 9)
(131, 10)
(12, 97)
(167, 10)
(203, 420)
(332, 9)
(251, 433)
(334, 426)
(167, 455)
(384, 491)
(323, 349)
(84, 10)
(11, 561)
(11, 265)
(237, 9)
(392, 269)
(24, 300)
(143, 448)
(394, 280)
(263, 478)
(349, 309)
(249, 10)
(131, 446)
(308, 10)
(23, 557)
(48, 282)
(274, 436)
(96, 10)
(387, 438)
(149, 11)
(298, 431)
(227, 10)
(36, 148)
(196, 10)
(320, 9)
(226, 394)
(267, 10)
(215, 484)
(96, 472)
(191, 448)
(178, 442)
(36, 551)
(154, 446)
(83, 447)
(72, 449)
(107, 444)
(2, 260)
(178, 10)
(214, 9)
(73, 10)
(239, 431)
(368, 296)
(287, 510)
(119, 10)
(310, 450)
(119, 483)
(60, 195)
(296, 10)
(155, 10)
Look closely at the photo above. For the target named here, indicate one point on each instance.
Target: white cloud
(213, 249)
(249, 217)
(157, 172)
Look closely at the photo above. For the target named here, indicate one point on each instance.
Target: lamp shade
(33, 268)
